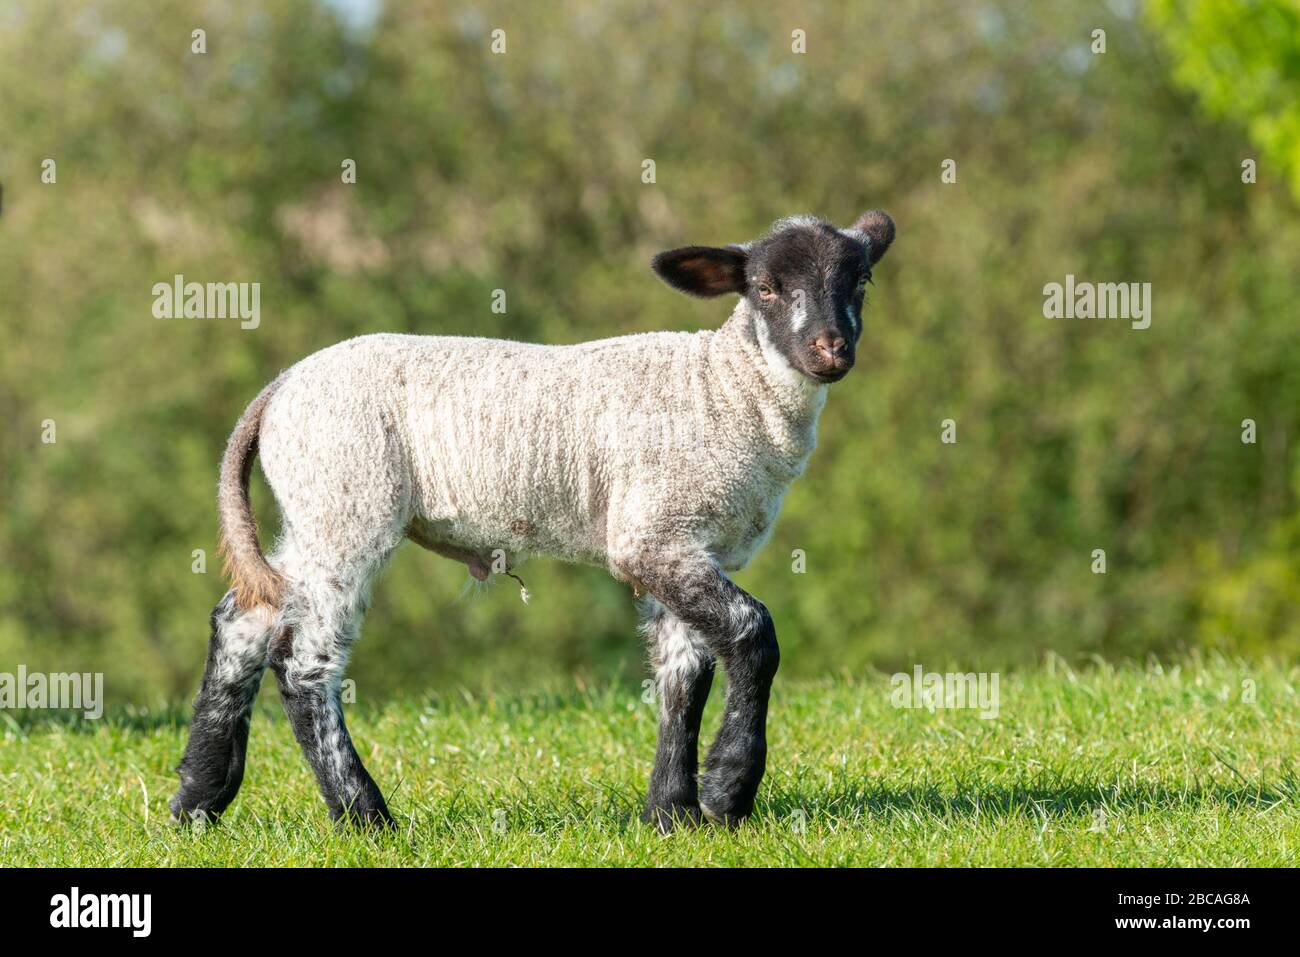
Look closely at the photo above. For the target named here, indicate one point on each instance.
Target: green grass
(1105, 766)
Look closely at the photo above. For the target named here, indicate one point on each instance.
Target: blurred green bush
(522, 171)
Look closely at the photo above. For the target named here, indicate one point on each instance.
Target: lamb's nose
(832, 349)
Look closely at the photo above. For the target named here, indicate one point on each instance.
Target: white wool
(601, 452)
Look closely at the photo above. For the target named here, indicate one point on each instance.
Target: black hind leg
(213, 766)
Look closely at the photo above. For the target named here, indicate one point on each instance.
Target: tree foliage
(1243, 62)
(523, 171)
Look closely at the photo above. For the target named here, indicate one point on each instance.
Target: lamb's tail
(255, 582)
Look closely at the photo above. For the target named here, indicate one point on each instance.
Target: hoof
(672, 817)
(727, 799)
(184, 813)
(373, 818)
(723, 819)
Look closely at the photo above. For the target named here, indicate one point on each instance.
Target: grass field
(1102, 766)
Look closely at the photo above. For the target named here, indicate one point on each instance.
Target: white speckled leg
(309, 655)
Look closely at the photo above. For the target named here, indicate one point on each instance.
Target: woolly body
(592, 452)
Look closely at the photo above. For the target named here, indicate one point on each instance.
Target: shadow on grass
(170, 718)
(1065, 799)
(176, 715)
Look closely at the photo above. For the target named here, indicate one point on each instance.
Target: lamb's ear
(702, 270)
(876, 229)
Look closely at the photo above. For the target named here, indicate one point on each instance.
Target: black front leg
(738, 757)
(738, 629)
(683, 675)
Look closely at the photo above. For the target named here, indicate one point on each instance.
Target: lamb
(663, 457)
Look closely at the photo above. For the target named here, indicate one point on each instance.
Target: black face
(808, 283)
(806, 280)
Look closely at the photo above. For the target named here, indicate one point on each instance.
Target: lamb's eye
(862, 286)
(765, 291)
